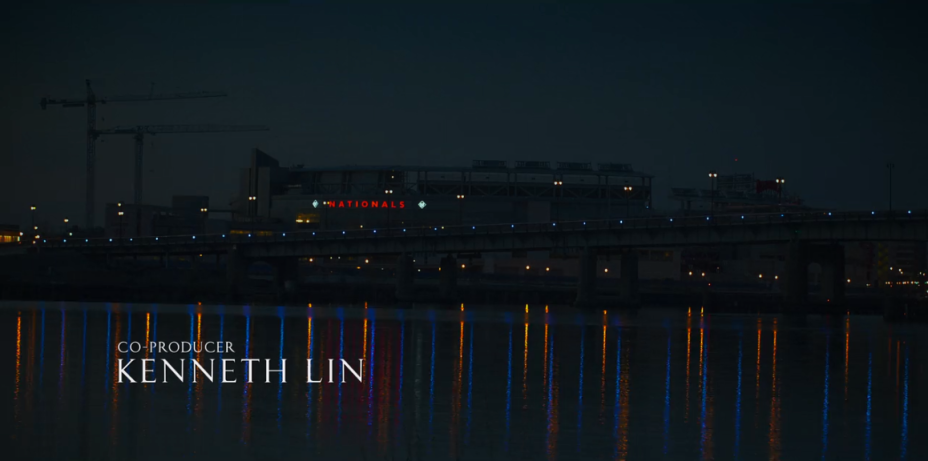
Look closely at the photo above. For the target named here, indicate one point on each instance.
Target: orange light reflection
(689, 347)
(602, 391)
(19, 325)
(525, 369)
(774, 403)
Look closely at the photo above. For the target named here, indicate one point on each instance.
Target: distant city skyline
(822, 95)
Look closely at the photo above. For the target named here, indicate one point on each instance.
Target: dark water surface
(484, 383)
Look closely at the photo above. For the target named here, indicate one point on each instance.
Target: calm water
(478, 384)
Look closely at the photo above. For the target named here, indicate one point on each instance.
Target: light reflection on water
(825, 400)
(667, 398)
(905, 410)
(642, 410)
(737, 451)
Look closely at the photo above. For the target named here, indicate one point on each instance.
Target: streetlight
(32, 209)
(628, 191)
(388, 192)
(120, 213)
(205, 212)
(251, 211)
(251, 206)
(557, 208)
(713, 180)
(780, 183)
(460, 208)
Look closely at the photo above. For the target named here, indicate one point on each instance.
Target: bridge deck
(629, 233)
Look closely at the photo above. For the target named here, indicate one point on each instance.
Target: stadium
(276, 198)
(490, 191)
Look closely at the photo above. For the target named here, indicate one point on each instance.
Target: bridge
(811, 236)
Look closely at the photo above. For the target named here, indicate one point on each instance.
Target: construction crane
(91, 101)
(140, 131)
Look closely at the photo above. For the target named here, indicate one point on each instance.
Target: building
(276, 198)
(897, 261)
(490, 191)
(10, 233)
(187, 215)
(736, 193)
(742, 194)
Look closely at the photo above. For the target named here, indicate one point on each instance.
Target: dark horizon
(823, 94)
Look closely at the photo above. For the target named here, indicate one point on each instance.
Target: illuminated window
(304, 218)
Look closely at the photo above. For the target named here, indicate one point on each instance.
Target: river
(468, 382)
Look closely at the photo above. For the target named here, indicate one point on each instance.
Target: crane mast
(90, 188)
(90, 100)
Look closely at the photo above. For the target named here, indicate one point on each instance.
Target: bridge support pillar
(448, 277)
(586, 278)
(894, 309)
(833, 279)
(286, 277)
(797, 274)
(628, 278)
(405, 289)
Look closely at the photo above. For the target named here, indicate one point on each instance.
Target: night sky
(822, 93)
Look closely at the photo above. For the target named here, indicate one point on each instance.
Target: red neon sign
(388, 204)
